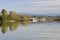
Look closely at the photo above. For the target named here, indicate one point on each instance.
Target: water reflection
(13, 25)
(33, 31)
(4, 27)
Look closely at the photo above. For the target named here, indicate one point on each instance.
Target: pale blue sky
(31, 6)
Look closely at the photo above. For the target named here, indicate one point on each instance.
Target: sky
(31, 6)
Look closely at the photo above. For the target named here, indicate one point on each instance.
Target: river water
(33, 31)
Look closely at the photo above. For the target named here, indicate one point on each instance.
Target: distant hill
(46, 14)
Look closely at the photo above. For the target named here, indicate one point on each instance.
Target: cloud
(52, 2)
(38, 6)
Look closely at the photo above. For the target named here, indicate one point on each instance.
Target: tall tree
(4, 15)
(13, 16)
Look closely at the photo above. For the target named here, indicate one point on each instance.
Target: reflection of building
(43, 19)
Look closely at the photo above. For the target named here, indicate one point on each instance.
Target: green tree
(13, 16)
(4, 27)
(24, 19)
(4, 15)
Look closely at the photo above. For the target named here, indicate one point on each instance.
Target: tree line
(12, 16)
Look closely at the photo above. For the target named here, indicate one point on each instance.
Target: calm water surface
(34, 31)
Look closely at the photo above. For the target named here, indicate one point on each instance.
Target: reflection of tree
(4, 27)
(13, 25)
(0, 19)
(24, 23)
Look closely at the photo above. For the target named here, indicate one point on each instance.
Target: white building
(12, 21)
(33, 19)
(43, 19)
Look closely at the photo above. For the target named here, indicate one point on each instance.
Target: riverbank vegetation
(13, 16)
(12, 20)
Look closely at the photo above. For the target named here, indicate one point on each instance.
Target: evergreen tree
(4, 15)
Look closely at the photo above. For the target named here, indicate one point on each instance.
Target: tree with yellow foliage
(13, 16)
